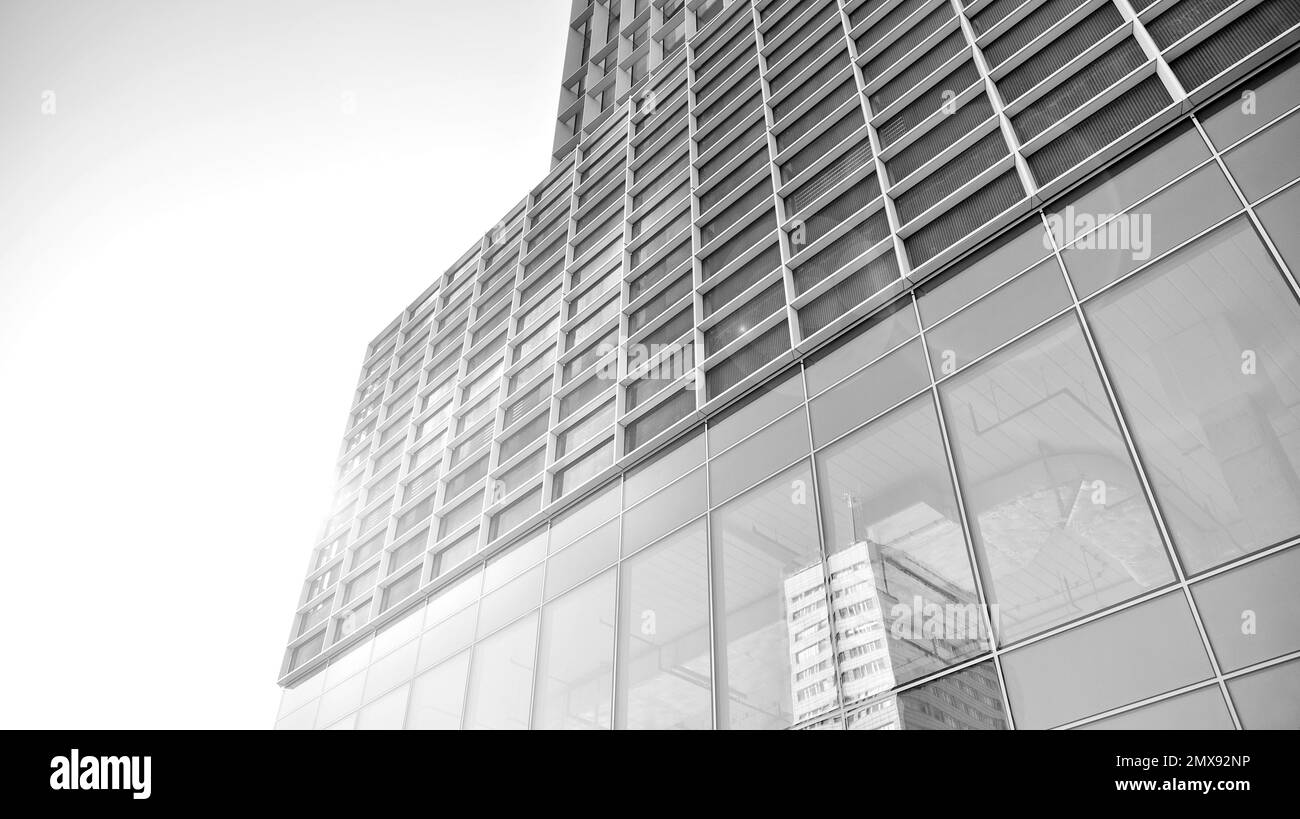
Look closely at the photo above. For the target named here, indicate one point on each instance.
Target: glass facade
(1035, 469)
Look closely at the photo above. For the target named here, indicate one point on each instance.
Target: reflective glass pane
(448, 637)
(438, 696)
(1268, 160)
(1263, 98)
(587, 515)
(583, 559)
(901, 580)
(1120, 185)
(1200, 710)
(1203, 351)
(1268, 699)
(664, 511)
(510, 601)
(1187, 207)
(883, 332)
(1252, 613)
(897, 376)
(501, 678)
(775, 447)
(514, 560)
(998, 318)
(386, 713)
(1137, 653)
(341, 700)
(968, 700)
(766, 405)
(663, 639)
(576, 661)
(386, 673)
(773, 649)
(986, 270)
(1061, 527)
(662, 469)
(1278, 215)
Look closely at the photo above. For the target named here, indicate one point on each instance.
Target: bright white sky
(194, 250)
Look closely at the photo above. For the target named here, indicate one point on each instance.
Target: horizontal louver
(1235, 41)
(843, 297)
(1090, 81)
(974, 211)
(1122, 115)
(747, 360)
(961, 169)
(841, 252)
(1059, 52)
(939, 138)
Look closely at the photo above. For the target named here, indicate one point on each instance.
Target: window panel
(1200, 710)
(901, 581)
(1126, 242)
(775, 447)
(1061, 526)
(1268, 699)
(501, 679)
(998, 318)
(575, 661)
(1268, 160)
(1137, 653)
(769, 591)
(664, 511)
(438, 696)
(1203, 350)
(663, 640)
(893, 378)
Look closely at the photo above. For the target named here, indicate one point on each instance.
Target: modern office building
(858, 364)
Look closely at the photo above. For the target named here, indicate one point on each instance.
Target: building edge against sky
(1032, 437)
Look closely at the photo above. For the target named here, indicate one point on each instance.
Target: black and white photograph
(654, 365)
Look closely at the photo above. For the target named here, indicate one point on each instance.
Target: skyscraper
(907, 364)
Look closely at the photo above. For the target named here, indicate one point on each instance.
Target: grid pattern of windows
(678, 256)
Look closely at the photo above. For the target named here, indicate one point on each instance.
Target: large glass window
(1252, 613)
(663, 637)
(1059, 520)
(575, 662)
(904, 593)
(1140, 652)
(1203, 350)
(774, 660)
(1268, 698)
(501, 678)
(438, 696)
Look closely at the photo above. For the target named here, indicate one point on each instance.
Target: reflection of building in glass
(891, 391)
